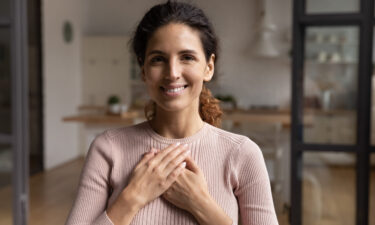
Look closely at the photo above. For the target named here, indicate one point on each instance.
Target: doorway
(331, 112)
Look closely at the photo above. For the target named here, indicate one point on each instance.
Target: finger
(166, 151)
(152, 150)
(176, 161)
(171, 157)
(156, 162)
(175, 173)
(146, 157)
(192, 165)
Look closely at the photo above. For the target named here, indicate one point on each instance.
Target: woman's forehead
(175, 38)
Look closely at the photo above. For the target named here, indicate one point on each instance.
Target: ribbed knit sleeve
(93, 192)
(252, 185)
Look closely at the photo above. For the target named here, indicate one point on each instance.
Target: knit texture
(232, 164)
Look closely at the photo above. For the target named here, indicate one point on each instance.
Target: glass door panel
(328, 189)
(330, 85)
(332, 6)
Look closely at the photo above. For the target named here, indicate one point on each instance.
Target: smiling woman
(178, 167)
(175, 68)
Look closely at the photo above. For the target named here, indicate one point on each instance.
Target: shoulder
(238, 142)
(242, 149)
(124, 132)
(225, 136)
(106, 140)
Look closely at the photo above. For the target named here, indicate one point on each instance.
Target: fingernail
(185, 145)
(183, 164)
(177, 144)
(152, 150)
(187, 152)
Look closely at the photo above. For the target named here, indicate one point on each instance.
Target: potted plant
(227, 102)
(114, 106)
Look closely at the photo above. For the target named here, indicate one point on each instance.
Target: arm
(252, 186)
(208, 212)
(150, 178)
(93, 191)
(125, 208)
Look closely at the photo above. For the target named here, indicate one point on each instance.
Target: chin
(171, 107)
(174, 106)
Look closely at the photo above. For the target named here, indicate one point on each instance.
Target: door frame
(364, 20)
(20, 110)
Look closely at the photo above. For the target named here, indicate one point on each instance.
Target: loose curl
(192, 16)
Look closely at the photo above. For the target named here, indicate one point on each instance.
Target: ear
(210, 69)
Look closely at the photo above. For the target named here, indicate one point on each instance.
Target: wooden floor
(329, 195)
(52, 194)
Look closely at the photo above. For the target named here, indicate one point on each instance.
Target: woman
(177, 167)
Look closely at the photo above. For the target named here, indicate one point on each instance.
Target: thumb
(192, 165)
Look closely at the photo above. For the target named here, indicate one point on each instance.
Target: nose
(173, 70)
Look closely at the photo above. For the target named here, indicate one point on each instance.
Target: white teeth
(175, 89)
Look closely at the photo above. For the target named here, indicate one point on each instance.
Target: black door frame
(20, 110)
(364, 20)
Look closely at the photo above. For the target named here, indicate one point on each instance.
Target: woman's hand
(189, 187)
(152, 176)
(190, 192)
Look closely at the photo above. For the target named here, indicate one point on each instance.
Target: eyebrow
(180, 52)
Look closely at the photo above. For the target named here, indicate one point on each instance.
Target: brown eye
(157, 59)
(188, 57)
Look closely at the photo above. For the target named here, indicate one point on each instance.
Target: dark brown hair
(192, 16)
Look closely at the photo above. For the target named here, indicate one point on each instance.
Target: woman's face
(175, 67)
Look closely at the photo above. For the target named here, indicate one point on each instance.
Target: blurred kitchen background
(81, 79)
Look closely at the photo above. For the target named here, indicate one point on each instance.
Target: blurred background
(294, 76)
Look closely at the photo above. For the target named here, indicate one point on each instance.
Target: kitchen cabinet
(331, 128)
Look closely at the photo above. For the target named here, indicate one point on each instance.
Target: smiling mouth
(173, 90)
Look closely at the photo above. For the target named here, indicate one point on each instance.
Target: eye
(188, 57)
(157, 59)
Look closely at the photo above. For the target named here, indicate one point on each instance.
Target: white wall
(251, 80)
(105, 69)
(61, 80)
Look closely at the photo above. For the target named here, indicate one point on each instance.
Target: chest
(214, 165)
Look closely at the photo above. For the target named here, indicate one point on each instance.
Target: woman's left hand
(190, 192)
(189, 189)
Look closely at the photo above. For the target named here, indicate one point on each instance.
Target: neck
(176, 124)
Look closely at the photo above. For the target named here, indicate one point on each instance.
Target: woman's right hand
(155, 173)
(151, 177)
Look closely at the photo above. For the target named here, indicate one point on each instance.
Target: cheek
(151, 87)
(152, 74)
(194, 74)
(151, 79)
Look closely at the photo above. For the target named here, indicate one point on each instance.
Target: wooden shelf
(127, 118)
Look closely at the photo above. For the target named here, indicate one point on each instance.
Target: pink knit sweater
(233, 166)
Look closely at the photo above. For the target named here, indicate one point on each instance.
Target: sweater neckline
(200, 133)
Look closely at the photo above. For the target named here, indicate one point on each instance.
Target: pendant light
(264, 44)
